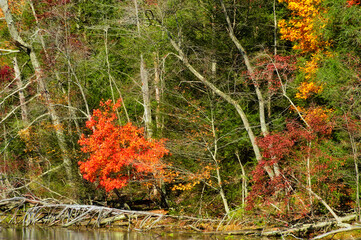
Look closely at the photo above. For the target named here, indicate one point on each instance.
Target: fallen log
(337, 231)
(113, 219)
(311, 226)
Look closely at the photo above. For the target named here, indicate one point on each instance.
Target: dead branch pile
(25, 211)
(21, 210)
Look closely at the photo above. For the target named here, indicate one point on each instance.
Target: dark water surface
(58, 233)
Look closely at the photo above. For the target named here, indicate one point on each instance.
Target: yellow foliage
(184, 187)
(301, 28)
(24, 134)
(194, 179)
(321, 112)
(307, 88)
(311, 67)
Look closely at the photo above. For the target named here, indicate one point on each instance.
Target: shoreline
(30, 212)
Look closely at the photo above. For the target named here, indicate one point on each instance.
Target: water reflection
(57, 233)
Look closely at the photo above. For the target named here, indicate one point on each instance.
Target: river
(58, 233)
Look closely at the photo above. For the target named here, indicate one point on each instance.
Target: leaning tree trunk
(41, 86)
(228, 99)
(261, 101)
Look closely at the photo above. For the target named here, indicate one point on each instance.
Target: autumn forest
(242, 109)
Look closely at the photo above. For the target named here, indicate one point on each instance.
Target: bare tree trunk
(38, 29)
(357, 180)
(337, 218)
(221, 192)
(230, 100)
(275, 27)
(261, 101)
(216, 161)
(72, 112)
(54, 117)
(157, 87)
(308, 162)
(4, 182)
(145, 84)
(42, 87)
(19, 84)
(146, 98)
(269, 93)
(71, 109)
(244, 182)
(324, 203)
(250, 70)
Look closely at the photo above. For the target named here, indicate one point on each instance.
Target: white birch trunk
(19, 84)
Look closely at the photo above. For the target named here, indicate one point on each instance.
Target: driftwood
(337, 231)
(21, 210)
(304, 228)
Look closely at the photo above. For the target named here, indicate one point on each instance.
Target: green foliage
(339, 78)
(342, 27)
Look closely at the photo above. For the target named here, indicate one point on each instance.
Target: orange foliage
(15, 7)
(319, 119)
(301, 28)
(307, 88)
(192, 179)
(118, 154)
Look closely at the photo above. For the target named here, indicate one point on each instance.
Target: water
(58, 233)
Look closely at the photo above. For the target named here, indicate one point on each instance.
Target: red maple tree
(118, 154)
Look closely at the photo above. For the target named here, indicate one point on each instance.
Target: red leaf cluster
(118, 154)
(290, 149)
(319, 120)
(6, 73)
(275, 146)
(266, 70)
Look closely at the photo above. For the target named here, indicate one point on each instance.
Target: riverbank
(28, 212)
